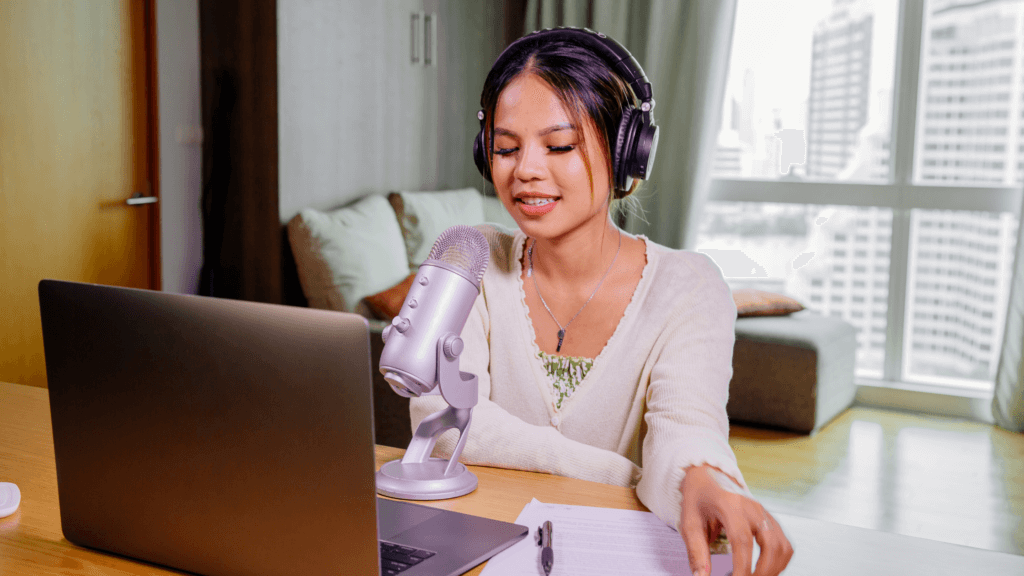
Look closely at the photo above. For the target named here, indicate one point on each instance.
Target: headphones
(634, 148)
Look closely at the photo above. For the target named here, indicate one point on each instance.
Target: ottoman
(793, 372)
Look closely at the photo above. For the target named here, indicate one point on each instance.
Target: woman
(597, 350)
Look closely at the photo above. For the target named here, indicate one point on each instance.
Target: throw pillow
(750, 302)
(345, 255)
(423, 216)
(386, 305)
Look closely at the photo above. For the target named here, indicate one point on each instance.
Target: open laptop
(224, 437)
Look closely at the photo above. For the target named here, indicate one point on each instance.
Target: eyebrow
(544, 132)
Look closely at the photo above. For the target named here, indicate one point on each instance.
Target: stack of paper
(597, 541)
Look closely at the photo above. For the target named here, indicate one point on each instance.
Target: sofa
(793, 369)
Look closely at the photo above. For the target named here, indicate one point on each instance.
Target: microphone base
(424, 480)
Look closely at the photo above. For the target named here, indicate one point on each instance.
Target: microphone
(437, 306)
(421, 352)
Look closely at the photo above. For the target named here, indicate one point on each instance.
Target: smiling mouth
(536, 201)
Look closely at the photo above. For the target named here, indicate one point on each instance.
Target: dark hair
(582, 80)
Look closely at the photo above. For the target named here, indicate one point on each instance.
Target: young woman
(597, 351)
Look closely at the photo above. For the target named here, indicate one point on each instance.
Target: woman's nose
(530, 164)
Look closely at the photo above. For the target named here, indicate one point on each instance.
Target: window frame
(900, 194)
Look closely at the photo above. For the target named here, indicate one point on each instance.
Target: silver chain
(562, 329)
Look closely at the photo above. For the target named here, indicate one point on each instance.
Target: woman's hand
(708, 508)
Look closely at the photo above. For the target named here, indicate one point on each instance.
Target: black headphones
(634, 148)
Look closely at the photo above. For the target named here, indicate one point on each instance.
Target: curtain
(1008, 401)
(683, 47)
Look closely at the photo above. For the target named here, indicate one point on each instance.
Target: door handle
(415, 33)
(138, 199)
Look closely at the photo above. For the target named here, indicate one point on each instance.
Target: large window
(869, 163)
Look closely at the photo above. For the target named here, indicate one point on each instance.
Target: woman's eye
(561, 148)
(504, 151)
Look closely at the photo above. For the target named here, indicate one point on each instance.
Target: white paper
(589, 541)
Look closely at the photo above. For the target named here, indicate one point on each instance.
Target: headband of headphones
(614, 54)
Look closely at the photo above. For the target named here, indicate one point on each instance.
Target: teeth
(536, 201)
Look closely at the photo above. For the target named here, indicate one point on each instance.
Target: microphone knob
(453, 346)
(400, 324)
(385, 332)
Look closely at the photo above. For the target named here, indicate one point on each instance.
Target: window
(905, 229)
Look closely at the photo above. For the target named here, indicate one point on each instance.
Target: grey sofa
(792, 372)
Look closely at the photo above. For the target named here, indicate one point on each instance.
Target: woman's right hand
(708, 509)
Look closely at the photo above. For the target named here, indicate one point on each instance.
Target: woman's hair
(588, 89)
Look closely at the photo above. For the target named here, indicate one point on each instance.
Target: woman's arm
(688, 390)
(691, 479)
(499, 438)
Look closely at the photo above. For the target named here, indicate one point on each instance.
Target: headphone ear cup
(646, 148)
(623, 161)
(480, 156)
(619, 152)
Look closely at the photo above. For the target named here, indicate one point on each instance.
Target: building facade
(837, 106)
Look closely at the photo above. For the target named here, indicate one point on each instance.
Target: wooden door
(77, 139)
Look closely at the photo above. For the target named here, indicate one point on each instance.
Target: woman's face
(537, 167)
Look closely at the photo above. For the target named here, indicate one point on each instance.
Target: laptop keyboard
(395, 558)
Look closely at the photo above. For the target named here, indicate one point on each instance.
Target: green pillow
(347, 254)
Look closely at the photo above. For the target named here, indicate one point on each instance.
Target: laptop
(224, 437)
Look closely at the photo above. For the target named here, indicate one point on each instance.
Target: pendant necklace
(562, 329)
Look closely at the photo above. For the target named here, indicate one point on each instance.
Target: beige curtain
(1008, 402)
(683, 46)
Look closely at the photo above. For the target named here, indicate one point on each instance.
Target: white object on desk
(10, 498)
(589, 541)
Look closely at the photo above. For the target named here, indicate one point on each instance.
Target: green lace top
(566, 373)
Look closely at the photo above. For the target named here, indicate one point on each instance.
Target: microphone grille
(464, 247)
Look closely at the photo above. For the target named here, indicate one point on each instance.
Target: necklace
(562, 329)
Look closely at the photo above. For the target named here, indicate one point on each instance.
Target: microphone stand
(417, 476)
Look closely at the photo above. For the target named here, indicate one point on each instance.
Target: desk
(31, 541)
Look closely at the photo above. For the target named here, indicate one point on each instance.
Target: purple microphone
(436, 307)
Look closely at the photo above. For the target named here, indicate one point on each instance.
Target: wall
(357, 117)
(177, 23)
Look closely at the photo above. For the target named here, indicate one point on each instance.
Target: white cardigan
(661, 380)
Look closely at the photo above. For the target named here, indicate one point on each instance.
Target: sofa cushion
(347, 254)
(423, 216)
(750, 302)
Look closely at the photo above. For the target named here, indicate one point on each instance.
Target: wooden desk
(31, 541)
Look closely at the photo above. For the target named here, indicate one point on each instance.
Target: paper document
(590, 541)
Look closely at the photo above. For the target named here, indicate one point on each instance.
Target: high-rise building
(959, 274)
(840, 76)
(968, 132)
(971, 89)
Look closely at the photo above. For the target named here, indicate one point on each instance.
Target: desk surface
(31, 541)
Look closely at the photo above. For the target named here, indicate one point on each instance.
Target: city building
(970, 93)
(959, 274)
(839, 88)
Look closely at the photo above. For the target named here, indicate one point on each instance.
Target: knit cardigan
(652, 404)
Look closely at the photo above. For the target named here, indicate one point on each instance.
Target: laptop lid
(215, 436)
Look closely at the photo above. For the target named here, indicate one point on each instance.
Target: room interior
(870, 458)
(269, 108)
